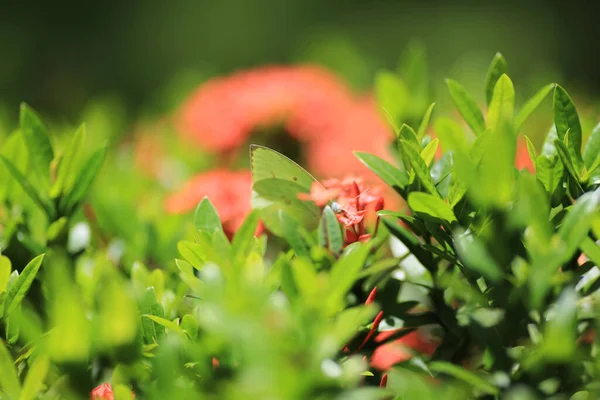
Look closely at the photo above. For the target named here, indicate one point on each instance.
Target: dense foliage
(481, 283)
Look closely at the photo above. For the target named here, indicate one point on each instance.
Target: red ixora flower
(229, 191)
(352, 200)
(316, 108)
(389, 354)
(104, 392)
(222, 113)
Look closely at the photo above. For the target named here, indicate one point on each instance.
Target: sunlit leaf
(467, 106)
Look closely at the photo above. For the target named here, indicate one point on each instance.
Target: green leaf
(409, 240)
(83, 182)
(38, 144)
(206, 217)
(560, 332)
(591, 249)
(575, 156)
(407, 133)
(497, 68)
(531, 105)
(28, 188)
(549, 171)
(242, 241)
(344, 274)
(428, 153)
(148, 304)
(419, 167)
(9, 380)
(502, 106)
(266, 163)
(578, 222)
(425, 122)
(5, 270)
(190, 326)
(65, 177)
(122, 392)
(566, 118)
(170, 325)
(591, 152)
(451, 135)
(34, 382)
(193, 253)
(392, 95)
(464, 375)
(466, 106)
(533, 155)
(330, 234)
(476, 257)
(19, 289)
(565, 157)
(432, 206)
(386, 171)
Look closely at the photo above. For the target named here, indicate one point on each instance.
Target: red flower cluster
(389, 354)
(104, 392)
(317, 109)
(229, 192)
(352, 200)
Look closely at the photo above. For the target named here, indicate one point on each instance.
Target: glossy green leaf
(189, 325)
(425, 122)
(419, 167)
(497, 68)
(9, 381)
(566, 118)
(428, 152)
(578, 222)
(575, 156)
(193, 253)
(531, 105)
(432, 206)
(549, 171)
(34, 381)
(502, 106)
(565, 157)
(344, 273)
(533, 155)
(407, 133)
(83, 181)
(37, 140)
(206, 217)
(387, 172)
(5, 270)
(65, 178)
(242, 241)
(466, 106)
(172, 326)
(464, 375)
(148, 304)
(28, 188)
(330, 234)
(591, 152)
(19, 289)
(476, 257)
(591, 250)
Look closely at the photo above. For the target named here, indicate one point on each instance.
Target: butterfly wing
(277, 181)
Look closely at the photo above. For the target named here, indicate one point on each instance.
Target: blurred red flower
(522, 159)
(229, 191)
(387, 355)
(102, 392)
(222, 113)
(357, 128)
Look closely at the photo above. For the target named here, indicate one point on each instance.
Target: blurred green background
(145, 54)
